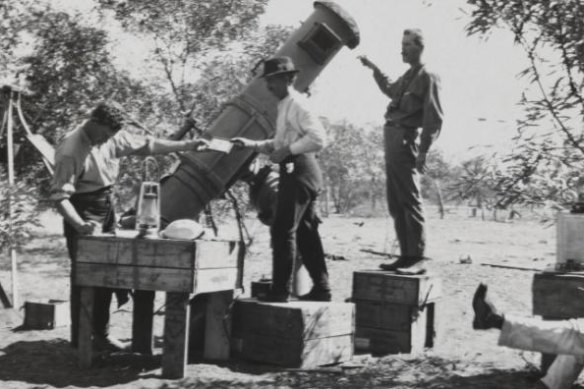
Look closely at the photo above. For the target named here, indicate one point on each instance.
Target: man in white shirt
(299, 136)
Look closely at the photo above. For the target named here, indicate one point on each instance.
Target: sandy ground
(462, 358)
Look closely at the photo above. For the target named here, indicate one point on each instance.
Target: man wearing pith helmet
(415, 103)
(299, 136)
(86, 167)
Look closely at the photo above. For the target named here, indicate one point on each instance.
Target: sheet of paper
(221, 145)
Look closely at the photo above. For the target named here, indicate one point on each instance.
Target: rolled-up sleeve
(63, 184)
(433, 115)
(126, 143)
(313, 135)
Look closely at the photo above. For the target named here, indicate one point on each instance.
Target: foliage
(184, 32)
(353, 165)
(21, 199)
(550, 136)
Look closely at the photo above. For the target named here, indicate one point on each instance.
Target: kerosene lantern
(148, 213)
(148, 210)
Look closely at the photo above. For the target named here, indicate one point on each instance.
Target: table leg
(85, 344)
(142, 322)
(217, 327)
(176, 335)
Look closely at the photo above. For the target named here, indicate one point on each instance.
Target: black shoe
(486, 315)
(316, 295)
(272, 297)
(402, 262)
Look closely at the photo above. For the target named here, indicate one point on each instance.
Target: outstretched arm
(383, 82)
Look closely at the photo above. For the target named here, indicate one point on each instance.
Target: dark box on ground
(300, 334)
(46, 315)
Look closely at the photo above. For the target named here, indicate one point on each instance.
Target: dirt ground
(462, 358)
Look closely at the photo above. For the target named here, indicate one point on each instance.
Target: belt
(399, 125)
(106, 190)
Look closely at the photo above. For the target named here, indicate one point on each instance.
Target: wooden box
(302, 334)
(157, 264)
(394, 328)
(46, 315)
(394, 313)
(558, 295)
(570, 238)
(377, 285)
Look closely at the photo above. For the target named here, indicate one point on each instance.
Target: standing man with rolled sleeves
(86, 168)
(299, 136)
(415, 103)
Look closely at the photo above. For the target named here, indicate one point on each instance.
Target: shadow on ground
(55, 363)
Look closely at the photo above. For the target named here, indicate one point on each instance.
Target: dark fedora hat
(278, 65)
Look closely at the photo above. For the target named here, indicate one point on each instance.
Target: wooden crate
(301, 334)
(569, 240)
(46, 315)
(558, 295)
(394, 313)
(377, 285)
(157, 264)
(394, 328)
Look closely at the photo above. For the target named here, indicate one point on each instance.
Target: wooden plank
(393, 288)
(216, 254)
(142, 323)
(297, 353)
(217, 326)
(134, 277)
(136, 252)
(4, 298)
(176, 335)
(215, 280)
(558, 295)
(295, 319)
(85, 344)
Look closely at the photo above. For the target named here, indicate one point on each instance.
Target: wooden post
(176, 335)
(142, 322)
(85, 346)
(10, 154)
(217, 328)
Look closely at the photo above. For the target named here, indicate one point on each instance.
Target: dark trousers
(295, 229)
(404, 199)
(96, 206)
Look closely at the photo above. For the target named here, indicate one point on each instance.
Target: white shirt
(297, 127)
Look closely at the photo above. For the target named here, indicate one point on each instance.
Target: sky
(480, 88)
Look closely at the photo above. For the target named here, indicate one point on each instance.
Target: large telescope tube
(202, 177)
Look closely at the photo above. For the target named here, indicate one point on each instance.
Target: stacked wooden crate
(394, 313)
(302, 334)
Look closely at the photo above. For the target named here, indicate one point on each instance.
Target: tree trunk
(440, 199)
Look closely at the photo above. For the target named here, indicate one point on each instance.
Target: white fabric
(297, 127)
(563, 337)
(183, 229)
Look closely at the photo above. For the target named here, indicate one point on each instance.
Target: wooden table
(181, 269)
(557, 296)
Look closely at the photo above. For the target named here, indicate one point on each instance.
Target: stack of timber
(394, 313)
(297, 334)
